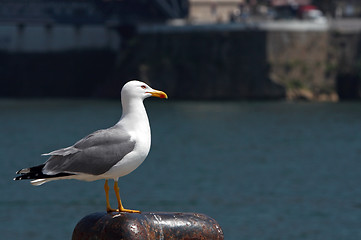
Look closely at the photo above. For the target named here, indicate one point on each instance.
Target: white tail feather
(38, 182)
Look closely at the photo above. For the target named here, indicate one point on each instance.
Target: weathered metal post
(148, 225)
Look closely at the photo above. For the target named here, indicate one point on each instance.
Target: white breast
(132, 160)
(135, 120)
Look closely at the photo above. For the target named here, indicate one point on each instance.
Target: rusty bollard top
(148, 225)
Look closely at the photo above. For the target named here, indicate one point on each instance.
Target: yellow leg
(106, 188)
(120, 206)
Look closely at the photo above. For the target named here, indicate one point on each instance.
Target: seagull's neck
(134, 115)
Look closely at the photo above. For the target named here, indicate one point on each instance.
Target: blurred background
(261, 130)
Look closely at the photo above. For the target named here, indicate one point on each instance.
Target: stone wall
(303, 62)
(316, 65)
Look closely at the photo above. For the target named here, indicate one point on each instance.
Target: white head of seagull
(134, 92)
(105, 154)
(132, 95)
(139, 90)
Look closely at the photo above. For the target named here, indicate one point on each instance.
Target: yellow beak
(160, 94)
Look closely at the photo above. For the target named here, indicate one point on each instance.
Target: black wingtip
(36, 173)
(30, 173)
(21, 178)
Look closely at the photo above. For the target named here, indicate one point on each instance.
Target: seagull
(105, 154)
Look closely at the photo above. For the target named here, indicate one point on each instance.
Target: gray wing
(94, 154)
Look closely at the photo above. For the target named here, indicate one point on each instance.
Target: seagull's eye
(143, 86)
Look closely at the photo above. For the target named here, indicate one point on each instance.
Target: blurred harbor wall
(316, 65)
(201, 63)
(198, 62)
(30, 38)
(301, 62)
(48, 60)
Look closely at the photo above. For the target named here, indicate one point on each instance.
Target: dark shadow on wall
(348, 78)
(60, 74)
(201, 65)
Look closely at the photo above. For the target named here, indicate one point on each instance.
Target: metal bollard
(148, 225)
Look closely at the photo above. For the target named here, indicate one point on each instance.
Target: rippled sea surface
(263, 170)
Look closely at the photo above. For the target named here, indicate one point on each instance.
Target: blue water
(263, 170)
